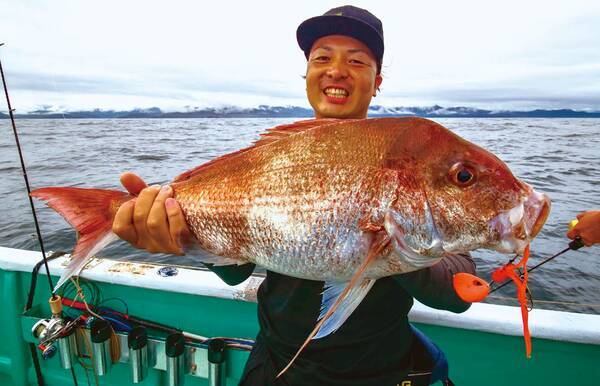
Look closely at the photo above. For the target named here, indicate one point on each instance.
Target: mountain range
(264, 111)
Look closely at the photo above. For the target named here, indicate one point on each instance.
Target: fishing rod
(24, 171)
(574, 245)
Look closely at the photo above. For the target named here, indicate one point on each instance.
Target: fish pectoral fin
(347, 306)
(357, 288)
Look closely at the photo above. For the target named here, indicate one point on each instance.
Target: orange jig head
(469, 287)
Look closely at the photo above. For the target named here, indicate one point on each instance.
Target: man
(376, 345)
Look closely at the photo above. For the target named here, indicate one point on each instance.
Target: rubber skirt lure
(511, 271)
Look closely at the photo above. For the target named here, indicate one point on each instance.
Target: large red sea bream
(341, 201)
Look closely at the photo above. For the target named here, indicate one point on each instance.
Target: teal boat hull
(476, 356)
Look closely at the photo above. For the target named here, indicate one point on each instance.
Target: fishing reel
(56, 335)
(45, 330)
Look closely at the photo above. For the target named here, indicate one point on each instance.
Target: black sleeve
(232, 274)
(433, 286)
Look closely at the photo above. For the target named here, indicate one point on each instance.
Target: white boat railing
(505, 320)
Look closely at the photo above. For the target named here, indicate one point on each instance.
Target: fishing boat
(121, 323)
(484, 345)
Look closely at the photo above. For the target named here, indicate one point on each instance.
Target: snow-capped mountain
(264, 111)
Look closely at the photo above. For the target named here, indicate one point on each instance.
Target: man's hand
(153, 221)
(588, 228)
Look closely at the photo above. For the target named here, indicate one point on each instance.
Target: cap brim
(315, 28)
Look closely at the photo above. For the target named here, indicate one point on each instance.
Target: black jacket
(371, 348)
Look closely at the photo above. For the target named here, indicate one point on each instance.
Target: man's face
(341, 77)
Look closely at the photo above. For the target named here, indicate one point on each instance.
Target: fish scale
(346, 202)
(308, 225)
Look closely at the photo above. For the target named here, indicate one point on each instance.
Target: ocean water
(560, 157)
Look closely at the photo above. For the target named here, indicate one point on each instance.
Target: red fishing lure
(472, 289)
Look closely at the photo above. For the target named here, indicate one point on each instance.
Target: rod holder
(174, 348)
(55, 305)
(100, 332)
(137, 341)
(216, 362)
(67, 348)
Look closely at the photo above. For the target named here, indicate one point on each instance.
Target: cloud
(133, 53)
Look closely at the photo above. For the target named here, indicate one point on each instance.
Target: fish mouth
(519, 225)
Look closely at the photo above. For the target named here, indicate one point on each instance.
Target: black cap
(347, 20)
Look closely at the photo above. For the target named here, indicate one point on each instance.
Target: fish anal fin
(356, 281)
(271, 135)
(201, 253)
(219, 261)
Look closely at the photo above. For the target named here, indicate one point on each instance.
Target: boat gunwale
(492, 318)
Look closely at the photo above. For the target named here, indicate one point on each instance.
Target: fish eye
(462, 175)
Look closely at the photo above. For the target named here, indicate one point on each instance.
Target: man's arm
(433, 286)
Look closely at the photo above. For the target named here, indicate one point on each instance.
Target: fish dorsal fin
(283, 131)
(271, 135)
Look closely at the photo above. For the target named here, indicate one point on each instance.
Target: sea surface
(560, 157)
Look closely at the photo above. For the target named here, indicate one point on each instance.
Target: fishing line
(591, 305)
(576, 244)
(24, 170)
(62, 112)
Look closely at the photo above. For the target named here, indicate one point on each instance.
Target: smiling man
(341, 77)
(344, 48)
(376, 345)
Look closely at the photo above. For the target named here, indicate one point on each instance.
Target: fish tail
(91, 213)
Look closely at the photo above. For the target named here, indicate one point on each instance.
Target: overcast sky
(510, 54)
